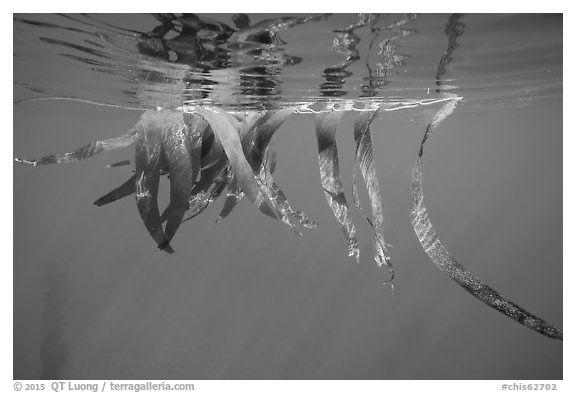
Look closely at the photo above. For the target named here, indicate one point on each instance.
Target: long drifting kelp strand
(426, 232)
(442, 258)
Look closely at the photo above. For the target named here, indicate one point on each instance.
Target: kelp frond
(326, 125)
(364, 159)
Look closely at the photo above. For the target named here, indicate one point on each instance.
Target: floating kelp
(206, 150)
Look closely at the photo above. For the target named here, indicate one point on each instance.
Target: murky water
(245, 298)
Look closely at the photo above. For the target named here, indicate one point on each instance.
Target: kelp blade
(326, 125)
(86, 151)
(364, 158)
(233, 196)
(261, 133)
(181, 146)
(201, 199)
(445, 262)
(222, 124)
(148, 149)
(289, 216)
(261, 154)
(127, 188)
(196, 127)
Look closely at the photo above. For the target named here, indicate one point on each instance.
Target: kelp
(262, 158)
(147, 161)
(257, 134)
(364, 158)
(326, 125)
(233, 195)
(206, 151)
(222, 124)
(440, 256)
(235, 155)
(289, 214)
(181, 148)
(125, 189)
(86, 151)
(426, 233)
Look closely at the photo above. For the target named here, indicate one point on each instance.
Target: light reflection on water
(244, 72)
(166, 60)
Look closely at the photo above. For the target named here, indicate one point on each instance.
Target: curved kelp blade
(247, 122)
(196, 127)
(199, 201)
(213, 179)
(364, 158)
(148, 151)
(181, 145)
(274, 194)
(222, 124)
(206, 158)
(442, 258)
(86, 151)
(233, 195)
(127, 188)
(262, 157)
(212, 174)
(261, 134)
(326, 124)
(277, 196)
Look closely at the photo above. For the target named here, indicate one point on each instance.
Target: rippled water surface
(264, 60)
(246, 298)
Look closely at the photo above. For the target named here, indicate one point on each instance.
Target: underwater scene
(292, 196)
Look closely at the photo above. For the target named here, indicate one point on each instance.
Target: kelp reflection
(206, 150)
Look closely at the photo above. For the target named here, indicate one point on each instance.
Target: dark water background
(94, 298)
